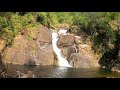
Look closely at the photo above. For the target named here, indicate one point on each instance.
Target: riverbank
(23, 71)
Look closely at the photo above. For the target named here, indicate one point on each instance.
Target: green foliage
(65, 17)
(80, 19)
(29, 37)
(42, 18)
(102, 27)
(9, 40)
(53, 18)
(11, 23)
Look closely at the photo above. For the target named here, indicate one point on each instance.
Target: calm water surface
(61, 72)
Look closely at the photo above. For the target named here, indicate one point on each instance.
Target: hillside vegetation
(100, 28)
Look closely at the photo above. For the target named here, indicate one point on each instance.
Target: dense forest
(101, 28)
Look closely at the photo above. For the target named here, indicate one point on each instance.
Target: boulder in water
(80, 61)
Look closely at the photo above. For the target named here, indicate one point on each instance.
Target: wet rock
(67, 51)
(29, 74)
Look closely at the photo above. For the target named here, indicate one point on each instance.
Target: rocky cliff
(34, 47)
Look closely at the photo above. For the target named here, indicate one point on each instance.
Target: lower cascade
(62, 61)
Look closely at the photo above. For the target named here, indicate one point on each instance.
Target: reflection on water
(61, 72)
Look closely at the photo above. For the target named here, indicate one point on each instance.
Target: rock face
(33, 48)
(82, 61)
(66, 40)
(2, 46)
(2, 67)
(76, 52)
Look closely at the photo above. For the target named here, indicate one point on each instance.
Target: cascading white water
(62, 61)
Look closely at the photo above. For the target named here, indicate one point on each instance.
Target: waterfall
(62, 61)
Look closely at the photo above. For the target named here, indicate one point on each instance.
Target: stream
(60, 72)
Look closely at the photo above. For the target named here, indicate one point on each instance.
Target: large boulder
(85, 49)
(30, 49)
(66, 44)
(67, 51)
(85, 58)
(82, 61)
(44, 34)
(66, 40)
(78, 54)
